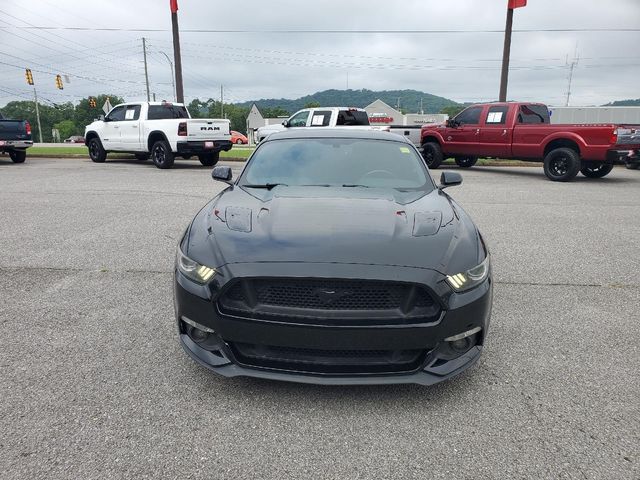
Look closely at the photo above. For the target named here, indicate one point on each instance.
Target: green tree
(67, 128)
(49, 116)
(199, 108)
(312, 105)
(274, 112)
(452, 110)
(84, 114)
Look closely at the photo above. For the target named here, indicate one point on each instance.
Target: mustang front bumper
(421, 352)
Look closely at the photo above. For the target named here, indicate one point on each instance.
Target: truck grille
(330, 301)
(328, 361)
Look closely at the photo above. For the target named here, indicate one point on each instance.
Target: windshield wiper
(267, 186)
(355, 185)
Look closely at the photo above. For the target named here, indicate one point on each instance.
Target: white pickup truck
(159, 130)
(322, 117)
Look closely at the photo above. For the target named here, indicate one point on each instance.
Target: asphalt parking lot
(94, 383)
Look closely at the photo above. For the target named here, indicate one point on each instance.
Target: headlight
(471, 278)
(192, 269)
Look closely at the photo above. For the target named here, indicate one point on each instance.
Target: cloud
(460, 66)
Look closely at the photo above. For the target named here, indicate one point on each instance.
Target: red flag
(517, 3)
(174, 5)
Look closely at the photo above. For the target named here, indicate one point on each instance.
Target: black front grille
(328, 361)
(337, 301)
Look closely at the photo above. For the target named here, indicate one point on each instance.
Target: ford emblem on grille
(330, 296)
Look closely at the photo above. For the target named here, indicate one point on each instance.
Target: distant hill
(624, 103)
(409, 100)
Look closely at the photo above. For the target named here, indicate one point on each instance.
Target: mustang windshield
(339, 162)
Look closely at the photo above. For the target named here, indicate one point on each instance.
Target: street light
(173, 83)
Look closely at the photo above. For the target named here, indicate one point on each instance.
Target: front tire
(561, 164)
(97, 153)
(432, 154)
(18, 156)
(596, 169)
(209, 159)
(466, 162)
(161, 154)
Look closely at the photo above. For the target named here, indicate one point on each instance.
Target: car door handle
(116, 126)
(477, 131)
(134, 126)
(504, 132)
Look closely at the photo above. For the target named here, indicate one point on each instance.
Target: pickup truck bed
(522, 131)
(15, 138)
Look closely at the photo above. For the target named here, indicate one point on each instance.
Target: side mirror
(286, 124)
(451, 123)
(101, 117)
(222, 174)
(449, 179)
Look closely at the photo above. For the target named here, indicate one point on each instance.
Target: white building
(382, 114)
(255, 120)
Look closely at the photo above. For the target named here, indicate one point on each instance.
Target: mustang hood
(334, 225)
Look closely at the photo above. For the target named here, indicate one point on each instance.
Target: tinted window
(497, 115)
(469, 116)
(337, 162)
(163, 112)
(533, 114)
(117, 114)
(299, 119)
(352, 117)
(321, 118)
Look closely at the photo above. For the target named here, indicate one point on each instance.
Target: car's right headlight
(473, 277)
(192, 269)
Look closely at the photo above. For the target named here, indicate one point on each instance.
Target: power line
(66, 53)
(70, 52)
(348, 32)
(49, 71)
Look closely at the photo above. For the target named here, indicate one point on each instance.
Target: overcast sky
(260, 63)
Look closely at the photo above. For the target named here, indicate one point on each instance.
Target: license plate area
(209, 144)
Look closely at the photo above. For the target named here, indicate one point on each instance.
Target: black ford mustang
(334, 259)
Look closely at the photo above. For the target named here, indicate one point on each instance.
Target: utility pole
(176, 50)
(146, 72)
(574, 62)
(421, 109)
(28, 75)
(221, 101)
(506, 51)
(35, 96)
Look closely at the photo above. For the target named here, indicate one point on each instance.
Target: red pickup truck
(522, 131)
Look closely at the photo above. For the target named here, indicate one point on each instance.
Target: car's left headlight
(192, 269)
(471, 278)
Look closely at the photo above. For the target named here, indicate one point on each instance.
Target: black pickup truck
(15, 138)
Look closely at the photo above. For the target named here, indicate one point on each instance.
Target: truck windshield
(168, 111)
(337, 162)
